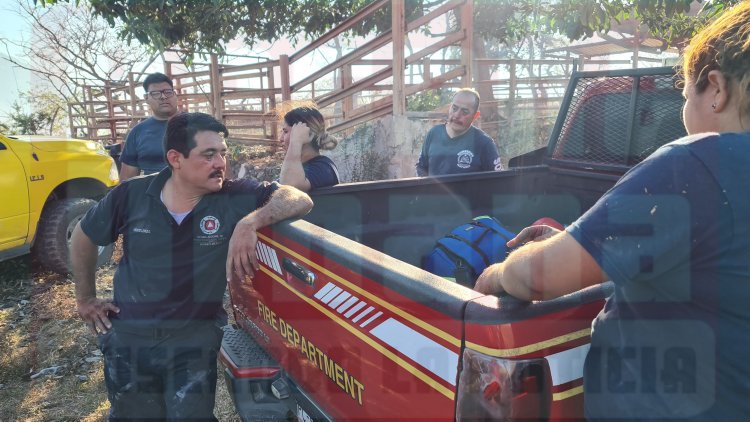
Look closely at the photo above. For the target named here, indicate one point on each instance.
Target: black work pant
(161, 373)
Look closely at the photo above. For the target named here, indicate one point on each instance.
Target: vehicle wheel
(55, 229)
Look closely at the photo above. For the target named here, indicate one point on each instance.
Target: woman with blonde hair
(303, 135)
(673, 235)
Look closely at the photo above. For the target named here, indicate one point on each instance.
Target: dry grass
(39, 329)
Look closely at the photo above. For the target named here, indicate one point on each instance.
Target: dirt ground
(50, 366)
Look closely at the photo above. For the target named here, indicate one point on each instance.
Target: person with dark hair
(143, 151)
(185, 231)
(672, 235)
(458, 146)
(303, 135)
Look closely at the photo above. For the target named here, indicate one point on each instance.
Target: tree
(50, 104)
(47, 115)
(205, 26)
(70, 48)
(27, 123)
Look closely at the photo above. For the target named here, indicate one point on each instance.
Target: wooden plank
(467, 44)
(253, 66)
(436, 81)
(398, 28)
(250, 93)
(362, 51)
(340, 28)
(356, 87)
(226, 77)
(286, 90)
(449, 40)
(445, 7)
(361, 119)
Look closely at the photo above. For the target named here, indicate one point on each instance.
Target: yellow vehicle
(46, 186)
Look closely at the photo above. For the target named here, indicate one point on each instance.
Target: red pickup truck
(341, 322)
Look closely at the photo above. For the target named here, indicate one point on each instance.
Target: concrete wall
(388, 148)
(384, 149)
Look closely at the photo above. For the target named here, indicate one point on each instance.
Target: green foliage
(47, 114)
(27, 123)
(667, 20)
(427, 100)
(206, 26)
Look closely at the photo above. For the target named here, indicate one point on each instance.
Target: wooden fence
(358, 86)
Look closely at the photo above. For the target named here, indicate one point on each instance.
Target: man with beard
(457, 146)
(143, 146)
(185, 231)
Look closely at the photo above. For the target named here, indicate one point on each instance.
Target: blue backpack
(468, 249)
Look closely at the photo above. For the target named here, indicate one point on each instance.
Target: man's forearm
(128, 171)
(286, 202)
(83, 256)
(550, 268)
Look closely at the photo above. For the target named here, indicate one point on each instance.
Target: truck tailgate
(362, 334)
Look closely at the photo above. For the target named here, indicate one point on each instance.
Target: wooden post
(348, 101)
(271, 103)
(637, 46)
(217, 106)
(398, 34)
(400, 163)
(467, 45)
(182, 103)
(110, 114)
(512, 82)
(133, 95)
(426, 73)
(286, 90)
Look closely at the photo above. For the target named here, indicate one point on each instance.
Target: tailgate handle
(300, 272)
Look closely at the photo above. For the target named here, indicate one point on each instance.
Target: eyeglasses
(167, 93)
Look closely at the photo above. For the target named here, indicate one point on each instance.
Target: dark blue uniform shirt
(170, 273)
(674, 236)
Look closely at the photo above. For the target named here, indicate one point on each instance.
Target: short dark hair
(156, 78)
(181, 130)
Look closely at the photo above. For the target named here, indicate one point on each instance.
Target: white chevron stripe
(434, 357)
(356, 308)
(372, 318)
(324, 291)
(567, 365)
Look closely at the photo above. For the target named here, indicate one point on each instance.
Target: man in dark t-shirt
(457, 146)
(185, 231)
(144, 150)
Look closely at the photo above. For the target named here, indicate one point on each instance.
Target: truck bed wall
(404, 218)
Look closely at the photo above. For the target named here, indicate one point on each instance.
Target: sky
(13, 79)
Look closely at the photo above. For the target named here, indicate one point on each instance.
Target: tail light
(491, 388)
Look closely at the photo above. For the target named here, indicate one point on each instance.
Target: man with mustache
(186, 230)
(143, 146)
(457, 146)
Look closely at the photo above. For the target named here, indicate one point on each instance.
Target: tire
(53, 234)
